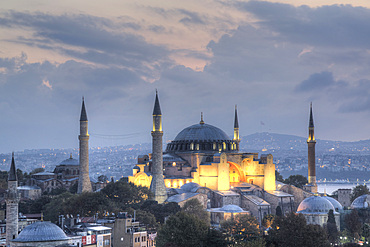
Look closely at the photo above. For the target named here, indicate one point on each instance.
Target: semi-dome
(202, 137)
(315, 205)
(361, 202)
(334, 202)
(41, 232)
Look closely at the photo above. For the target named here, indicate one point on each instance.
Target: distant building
(344, 197)
(126, 232)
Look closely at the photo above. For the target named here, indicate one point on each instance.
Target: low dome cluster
(318, 205)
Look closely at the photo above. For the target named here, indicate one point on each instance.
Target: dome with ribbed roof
(202, 132)
(70, 161)
(201, 137)
(41, 232)
(315, 204)
(361, 202)
(334, 202)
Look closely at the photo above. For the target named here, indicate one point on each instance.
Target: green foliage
(125, 195)
(331, 227)
(215, 238)
(182, 229)
(353, 224)
(34, 206)
(279, 212)
(160, 211)
(144, 217)
(3, 180)
(194, 207)
(241, 228)
(292, 230)
(73, 188)
(278, 177)
(103, 178)
(56, 207)
(366, 231)
(296, 180)
(359, 190)
(259, 242)
(268, 220)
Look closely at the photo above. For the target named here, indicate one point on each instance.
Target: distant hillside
(272, 142)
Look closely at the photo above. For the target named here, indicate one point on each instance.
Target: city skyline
(271, 58)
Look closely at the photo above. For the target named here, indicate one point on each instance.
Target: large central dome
(202, 137)
(202, 132)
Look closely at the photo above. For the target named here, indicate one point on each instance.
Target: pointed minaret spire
(201, 118)
(311, 117)
(12, 200)
(236, 122)
(12, 172)
(157, 185)
(236, 130)
(83, 111)
(157, 107)
(84, 184)
(311, 142)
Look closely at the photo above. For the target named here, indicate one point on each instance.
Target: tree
(366, 231)
(279, 177)
(125, 195)
(331, 227)
(292, 229)
(268, 220)
(353, 223)
(182, 229)
(215, 238)
(241, 228)
(359, 190)
(279, 212)
(103, 178)
(296, 180)
(194, 207)
(160, 211)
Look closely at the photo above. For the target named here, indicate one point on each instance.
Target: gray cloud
(94, 39)
(335, 25)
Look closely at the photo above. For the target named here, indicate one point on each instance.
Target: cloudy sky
(271, 58)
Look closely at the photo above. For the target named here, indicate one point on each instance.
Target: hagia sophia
(201, 163)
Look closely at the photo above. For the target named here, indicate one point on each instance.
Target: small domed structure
(334, 202)
(316, 209)
(315, 204)
(231, 209)
(70, 161)
(41, 234)
(361, 202)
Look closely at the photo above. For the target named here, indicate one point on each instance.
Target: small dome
(231, 209)
(202, 132)
(70, 161)
(136, 168)
(190, 187)
(361, 202)
(315, 204)
(41, 232)
(334, 202)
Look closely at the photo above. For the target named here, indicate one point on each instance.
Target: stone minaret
(157, 185)
(12, 199)
(84, 184)
(311, 142)
(236, 130)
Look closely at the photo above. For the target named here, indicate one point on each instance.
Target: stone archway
(142, 179)
(236, 173)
